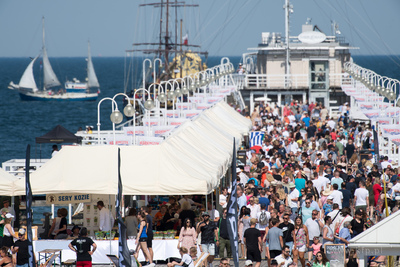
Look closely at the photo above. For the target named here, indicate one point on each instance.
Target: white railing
(294, 81)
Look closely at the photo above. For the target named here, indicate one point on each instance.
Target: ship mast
(166, 43)
(288, 9)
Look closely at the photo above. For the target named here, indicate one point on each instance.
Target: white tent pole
(69, 213)
(52, 211)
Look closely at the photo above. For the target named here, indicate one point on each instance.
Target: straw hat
(327, 192)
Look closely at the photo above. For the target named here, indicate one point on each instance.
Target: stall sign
(67, 198)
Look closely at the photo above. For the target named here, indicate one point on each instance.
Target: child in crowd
(316, 246)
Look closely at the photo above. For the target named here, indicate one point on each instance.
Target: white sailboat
(73, 91)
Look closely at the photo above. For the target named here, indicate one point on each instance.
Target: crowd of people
(314, 180)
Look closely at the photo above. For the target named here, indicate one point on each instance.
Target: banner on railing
(147, 141)
(161, 130)
(371, 113)
(151, 121)
(183, 106)
(211, 100)
(202, 106)
(176, 121)
(139, 130)
(395, 140)
(172, 113)
(388, 130)
(383, 120)
(366, 105)
(392, 112)
(189, 114)
(119, 140)
(196, 99)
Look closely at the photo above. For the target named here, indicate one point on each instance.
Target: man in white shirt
(385, 163)
(361, 197)
(294, 197)
(337, 196)
(284, 259)
(243, 177)
(223, 198)
(254, 208)
(314, 225)
(325, 182)
(106, 219)
(316, 183)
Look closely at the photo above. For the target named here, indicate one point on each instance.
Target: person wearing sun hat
(209, 233)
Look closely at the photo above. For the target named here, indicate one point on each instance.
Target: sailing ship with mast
(74, 90)
(179, 57)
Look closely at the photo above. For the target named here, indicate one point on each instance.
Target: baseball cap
(205, 214)
(248, 262)
(9, 215)
(22, 231)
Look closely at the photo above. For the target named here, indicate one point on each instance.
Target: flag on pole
(185, 39)
(232, 212)
(28, 193)
(123, 250)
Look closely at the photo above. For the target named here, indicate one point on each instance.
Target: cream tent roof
(191, 161)
(7, 184)
(381, 239)
(385, 233)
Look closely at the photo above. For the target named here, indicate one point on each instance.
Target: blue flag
(256, 138)
(232, 212)
(123, 250)
(28, 192)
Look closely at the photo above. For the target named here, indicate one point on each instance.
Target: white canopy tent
(191, 161)
(381, 239)
(7, 184)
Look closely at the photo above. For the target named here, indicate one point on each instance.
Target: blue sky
(223, 27)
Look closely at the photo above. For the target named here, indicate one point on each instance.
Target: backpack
(263, 218)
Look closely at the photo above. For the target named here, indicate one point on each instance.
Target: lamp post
(148, 105)
(115, 117)
(144, 72)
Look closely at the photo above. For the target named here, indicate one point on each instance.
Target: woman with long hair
(371, 198)
(240, 228)
(352, 260)
(321, 260)
(131, 222)
(300, 240)
(141, 239)
(188, 235)
(8, 232)
(5, 258)
(246, 224)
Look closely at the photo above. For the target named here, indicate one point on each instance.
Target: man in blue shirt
(306, 119)
(345, 234)
(347, 196)
(262, 199)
